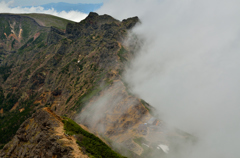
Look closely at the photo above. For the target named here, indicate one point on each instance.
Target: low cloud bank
(71, 15)
(188, 67)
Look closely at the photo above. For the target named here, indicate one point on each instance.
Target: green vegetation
(28, 72)
(40, 38)
(1, 146)
(50, 20)
(4, 28)
(120, 148)
(81, 64)
(13, 42)
(89, 142)
(42, 44)
(9, 102)
(69, 99)
(121, 53)
(26, 31)
(65, 68)
(94, 67)
(39, 42)
(81, 103)
(5, 72)
(11, 121)
(26, 77)
(91, 92)
(146, 105)
(74, 60)
(140, 140)
(1, 96)
(26, 44)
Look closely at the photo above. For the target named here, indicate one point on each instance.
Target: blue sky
(37, 2)
(14, 7)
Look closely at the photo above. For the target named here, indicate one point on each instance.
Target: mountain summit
(74, 72)
(58, 68)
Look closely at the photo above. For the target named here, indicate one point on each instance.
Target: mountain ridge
(82, 58)
(77, 72)
(44, 135)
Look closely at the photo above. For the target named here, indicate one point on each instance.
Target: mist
(102, 107)
(71, 15)
(188, 67)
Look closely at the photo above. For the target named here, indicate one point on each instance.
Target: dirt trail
(14, 107)
(67, 140)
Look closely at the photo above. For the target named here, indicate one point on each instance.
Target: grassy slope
(89, 142)
(49, 20)
(14, 120)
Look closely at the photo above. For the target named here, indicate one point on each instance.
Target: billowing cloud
(188, 67)
(71, 15)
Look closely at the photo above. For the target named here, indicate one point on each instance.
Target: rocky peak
(130, 22)
(95, 23)
(65, 74)
(99, 19)
(92, 15)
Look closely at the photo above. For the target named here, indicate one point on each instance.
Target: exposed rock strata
(42, 136)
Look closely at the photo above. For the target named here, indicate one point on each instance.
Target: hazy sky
(37, 2)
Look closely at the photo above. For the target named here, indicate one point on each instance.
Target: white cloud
(71, 15)
(188, 67)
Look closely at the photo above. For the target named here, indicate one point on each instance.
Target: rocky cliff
(42, 136)
(75, 72)
(66, 69)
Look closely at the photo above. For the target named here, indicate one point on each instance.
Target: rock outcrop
(105, 24)
(42, 136)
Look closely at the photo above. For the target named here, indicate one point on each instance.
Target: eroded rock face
(16, 30)
(38, 137)
(66, 70)
(130, 22)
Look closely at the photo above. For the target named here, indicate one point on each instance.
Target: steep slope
(77, 73)
(62, 70)
(43, 135)
(17, 31)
